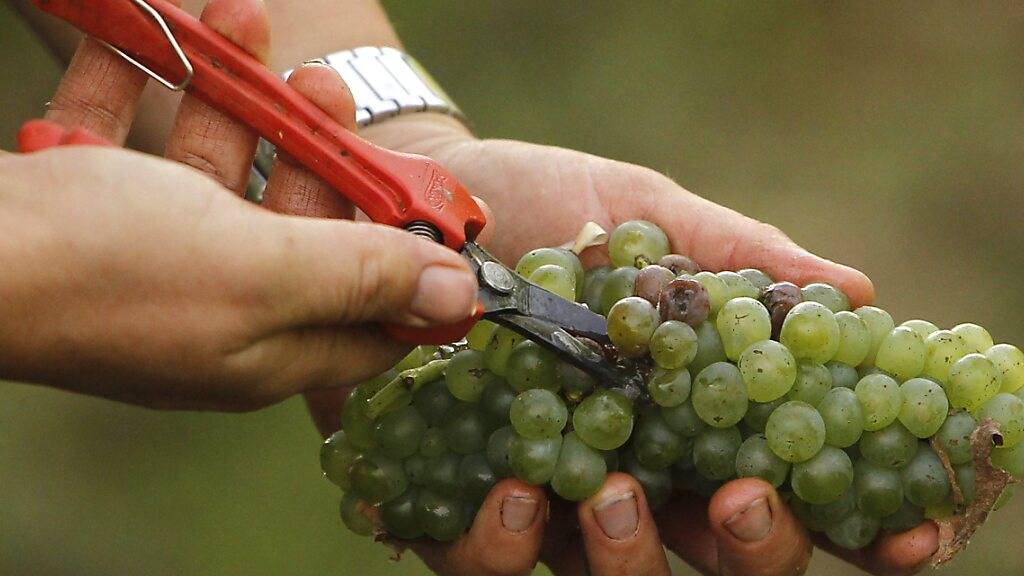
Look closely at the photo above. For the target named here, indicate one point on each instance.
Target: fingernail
(444, 295)
(618, 517)
(518, 513)
(753, 523)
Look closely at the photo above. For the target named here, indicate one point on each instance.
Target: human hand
(510, 175)
(147, 281)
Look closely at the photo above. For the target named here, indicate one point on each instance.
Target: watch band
(384, 83)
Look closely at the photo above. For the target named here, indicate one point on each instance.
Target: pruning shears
(402, 190)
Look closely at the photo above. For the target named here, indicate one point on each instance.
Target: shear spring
(189, 70)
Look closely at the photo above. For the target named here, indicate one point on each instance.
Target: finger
(204, 137)
(329, 273)
(487, 234)
(505, 537)
(325, 409)
(755, 532)
(892, 554)
(619, 533)
(721, 239)
(291, 189)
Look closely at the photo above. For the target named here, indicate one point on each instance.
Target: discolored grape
(650, 281)
(684, 300)
(779, 298)
(679, 264)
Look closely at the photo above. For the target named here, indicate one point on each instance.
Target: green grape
(880, 398)
(944, 349)
(467, 375)
(442, 517)
(537, 414)
(843, 375)
(377, 478)
(593, 284)
(415, 468)
(924, 479)
(736, 286)
(442, 473)
(683, 419)
(631, 323)
(714, 452)
(476, 477)
(611, 459)
(756, 459)
(977, 338)
(973, 380)
(682, 469)
(1010, 459)
(742, 322)
(813, 381)
(757, 414)
(530, 366)
(854, 532)
(923, 328)
(656, 445)
(465, 430)
(955, 437)
(811, 332)
(879, 490)
(823, 478)
(336, 457)
(499, 349)
(433, 401)
(1008, 411)
(358, 426)
(533, 461)
(854, 339)
(759, 279)
(498, 446)
(719, 395)
(565, 259)
(419, 356)
(819, 518)
(879, 323)
(795, 431)
(637, 243)
(826, 295)
(965, 477)
(496, 401)
(432, 443)
(709, 347)
(352, 516)
(673, 345)
(398, 433)
(768, 370)
(908, 516)
(718, 292)
(604, 420)
(1009, 360)
(480, 334)
(891, 447)
(901, 353)
(924, 407)
(657, 484)
(619, 284)
(575, 383)
(580, 470)
(556, 280)
(669, 387)
(399, 516)
(843, 417)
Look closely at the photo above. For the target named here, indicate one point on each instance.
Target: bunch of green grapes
(839, 409)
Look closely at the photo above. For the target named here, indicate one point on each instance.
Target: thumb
(336, 272)
(755, 532)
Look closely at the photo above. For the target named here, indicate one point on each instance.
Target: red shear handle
(391, 188)
(436, 335)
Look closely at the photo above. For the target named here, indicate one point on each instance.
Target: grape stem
(405, 383)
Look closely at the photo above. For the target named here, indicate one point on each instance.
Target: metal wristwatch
(384, 83)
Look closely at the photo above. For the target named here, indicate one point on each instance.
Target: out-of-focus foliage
(884, 135)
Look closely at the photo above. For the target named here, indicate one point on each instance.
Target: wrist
(424, 133)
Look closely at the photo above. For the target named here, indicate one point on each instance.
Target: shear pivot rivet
(497, 277)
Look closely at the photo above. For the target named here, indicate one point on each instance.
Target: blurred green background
(884, 135)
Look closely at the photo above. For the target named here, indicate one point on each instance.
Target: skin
(508, 175)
